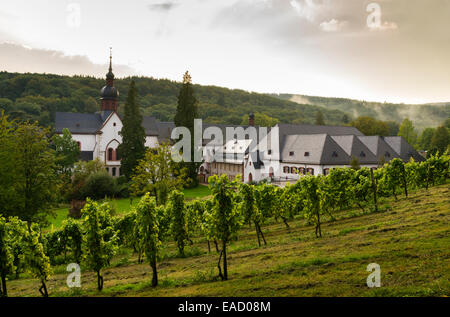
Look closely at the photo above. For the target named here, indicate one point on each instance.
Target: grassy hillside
(39, 96)
(426, 115)
(408, 238)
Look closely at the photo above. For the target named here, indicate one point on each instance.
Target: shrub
(99, 185)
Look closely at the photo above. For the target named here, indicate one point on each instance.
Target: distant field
(123, 205)
(408, 238)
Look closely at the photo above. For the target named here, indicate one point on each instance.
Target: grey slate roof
(353, 146)
(379, 147)
(313, 149)
(82, 123)
(297, 129)
(403, 148)
(150, 125)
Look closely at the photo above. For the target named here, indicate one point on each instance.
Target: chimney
(251, 119)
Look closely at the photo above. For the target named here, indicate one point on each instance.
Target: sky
(385, 50)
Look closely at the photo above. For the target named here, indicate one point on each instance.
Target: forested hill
(39, 96)
(426, 115)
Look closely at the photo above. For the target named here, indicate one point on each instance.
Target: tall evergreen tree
(187, 111)
(319, 118)
(132, 148)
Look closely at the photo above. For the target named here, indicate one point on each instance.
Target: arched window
(110, 154)
(310, 171)
(250, 178)
(302, 170)
(117, 155)
(293, 170)
(113, 171)
(286, 169)
(79, 145)
(326, 171)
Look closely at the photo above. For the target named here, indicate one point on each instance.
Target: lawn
(408, 238)
(122, 206)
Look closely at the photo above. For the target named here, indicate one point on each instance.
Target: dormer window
(362, 154)
(387, 154)
(78, 125)
(306, 153)
(269, 152)
(334, 154)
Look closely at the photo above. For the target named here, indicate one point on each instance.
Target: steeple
(109, 93)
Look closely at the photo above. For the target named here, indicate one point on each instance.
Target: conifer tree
(132, 148)
(187, 111)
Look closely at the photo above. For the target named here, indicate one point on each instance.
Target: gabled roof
(285, 129)
(313, 149)
(150, 125)
(379, 147)
(403, 148)
(79, 123)
(353, 146)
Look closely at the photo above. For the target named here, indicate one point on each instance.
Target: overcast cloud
(313, 47)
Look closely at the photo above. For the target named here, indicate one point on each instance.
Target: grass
(408, 238)
(123, 205)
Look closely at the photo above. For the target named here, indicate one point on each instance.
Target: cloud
(333, 25)
(22, 59)
(166, 6)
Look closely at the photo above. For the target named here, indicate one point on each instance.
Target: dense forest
(423, 116)
(39, 96)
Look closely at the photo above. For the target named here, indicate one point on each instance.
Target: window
(110, 154)
(310, 171)
(293, 170)
(291, 153)
(79, 145)
(334, 154)
(107, 170)
(326, 171)
(387, 154)
(114, 124)
(286, 169)
(113, 171)
(362, 154)
(302, 170)
(269, 152)
(306, 153)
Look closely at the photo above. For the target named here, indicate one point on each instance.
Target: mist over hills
(422, 115)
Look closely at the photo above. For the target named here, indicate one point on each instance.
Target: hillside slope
(409, 239)
(39, 96)
(425, 115)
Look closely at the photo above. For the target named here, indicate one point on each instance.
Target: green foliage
(98, 186)
(37, 262)
(224, 219)
(132, 148)
(7, 266)
(408, 132)
(312, 200)
(27, 176)
(187, 111)
(158, 174)
(177, 212)
(67, 152)
(319, 118)
(261, 119)
(441, 140)
(147, 223)
(370, 126)
(100, 240)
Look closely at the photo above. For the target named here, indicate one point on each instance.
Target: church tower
(109, 93)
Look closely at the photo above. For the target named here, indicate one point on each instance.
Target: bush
(99, 185)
